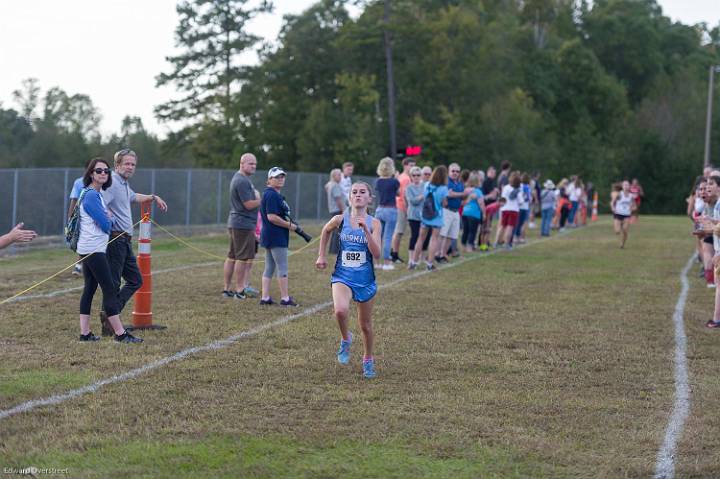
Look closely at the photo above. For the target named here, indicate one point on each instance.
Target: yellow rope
(146, 217)
(7, 300)
(191, 246)
(223, 258)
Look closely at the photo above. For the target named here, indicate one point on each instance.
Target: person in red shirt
(637, 190)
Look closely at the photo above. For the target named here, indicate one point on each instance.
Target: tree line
(606, 90)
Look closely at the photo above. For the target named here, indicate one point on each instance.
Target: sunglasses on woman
(100, 171)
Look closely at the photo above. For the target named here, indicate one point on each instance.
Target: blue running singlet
(354, 264)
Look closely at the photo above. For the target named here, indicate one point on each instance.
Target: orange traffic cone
(595, 207)
(142, 312)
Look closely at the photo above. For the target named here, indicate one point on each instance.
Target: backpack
(72, 228)
(429, 211)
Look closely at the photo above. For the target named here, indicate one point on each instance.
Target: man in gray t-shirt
(242, 220)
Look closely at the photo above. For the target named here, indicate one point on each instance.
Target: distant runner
(622, 208)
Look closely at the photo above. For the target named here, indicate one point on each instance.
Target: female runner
(354, 277)
(622, 208)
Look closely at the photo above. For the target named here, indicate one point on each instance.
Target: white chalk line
(665, 465)
(229, 341)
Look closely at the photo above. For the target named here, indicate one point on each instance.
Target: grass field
(553, 360)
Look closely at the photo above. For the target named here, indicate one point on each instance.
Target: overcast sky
(112, 50)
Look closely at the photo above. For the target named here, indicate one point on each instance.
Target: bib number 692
(353, 259)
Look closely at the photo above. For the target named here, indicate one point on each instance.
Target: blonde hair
(120, 156)
(333, 172)
(415, 170)
(474, 179)
(386, 168)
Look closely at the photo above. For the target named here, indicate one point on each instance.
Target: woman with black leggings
(94, 231)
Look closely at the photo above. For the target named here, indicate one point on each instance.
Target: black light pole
(390, 80)
(708, 121)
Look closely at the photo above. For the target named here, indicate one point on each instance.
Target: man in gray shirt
(119, 252)
(242, 220)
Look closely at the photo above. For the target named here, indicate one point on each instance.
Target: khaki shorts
(401, 222)
(242, 244)
(451, 224)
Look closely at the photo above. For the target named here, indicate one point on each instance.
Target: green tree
(208, 72)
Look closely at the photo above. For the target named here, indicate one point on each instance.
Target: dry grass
(551, 361)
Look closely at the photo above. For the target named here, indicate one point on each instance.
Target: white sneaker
(711, 285)
(388, 267)
(531, 225)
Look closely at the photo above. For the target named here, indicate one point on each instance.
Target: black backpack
(429, 211)
(72, 228)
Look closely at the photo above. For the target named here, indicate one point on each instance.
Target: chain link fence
(39, 197)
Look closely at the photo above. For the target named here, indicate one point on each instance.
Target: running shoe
(369, 368)
(430, 266)
(89, 337)
(240, 295)
(127, 338)
(388, 267)
(396, 258)
(343, 354)
(483, 247)
(251, 292)
(711, 285)
(228, 294)
(441, 259)
(713, 324)
(77, 270)
(412, 265)
(267, 302)
(509, 247)
(289, 302)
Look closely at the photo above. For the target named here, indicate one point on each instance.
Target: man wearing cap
(547, 207)
(120, 255)
(451, 216)
(242, 220)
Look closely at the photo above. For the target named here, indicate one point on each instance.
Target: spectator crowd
(704, 212)
(449, 210)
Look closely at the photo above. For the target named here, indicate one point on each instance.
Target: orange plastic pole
(142, 313)
(595, 207)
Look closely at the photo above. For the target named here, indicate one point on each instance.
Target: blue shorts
(360, 294)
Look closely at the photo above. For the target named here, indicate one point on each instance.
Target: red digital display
(413, 150)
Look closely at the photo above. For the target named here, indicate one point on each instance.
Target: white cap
(275, 171)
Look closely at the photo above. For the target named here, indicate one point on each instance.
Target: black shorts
(621, 217)
(708, 240)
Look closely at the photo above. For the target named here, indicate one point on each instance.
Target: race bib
(353, 259)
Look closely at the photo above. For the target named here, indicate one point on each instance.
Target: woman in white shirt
(509, 213)
(95, 224)
(622, 206)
